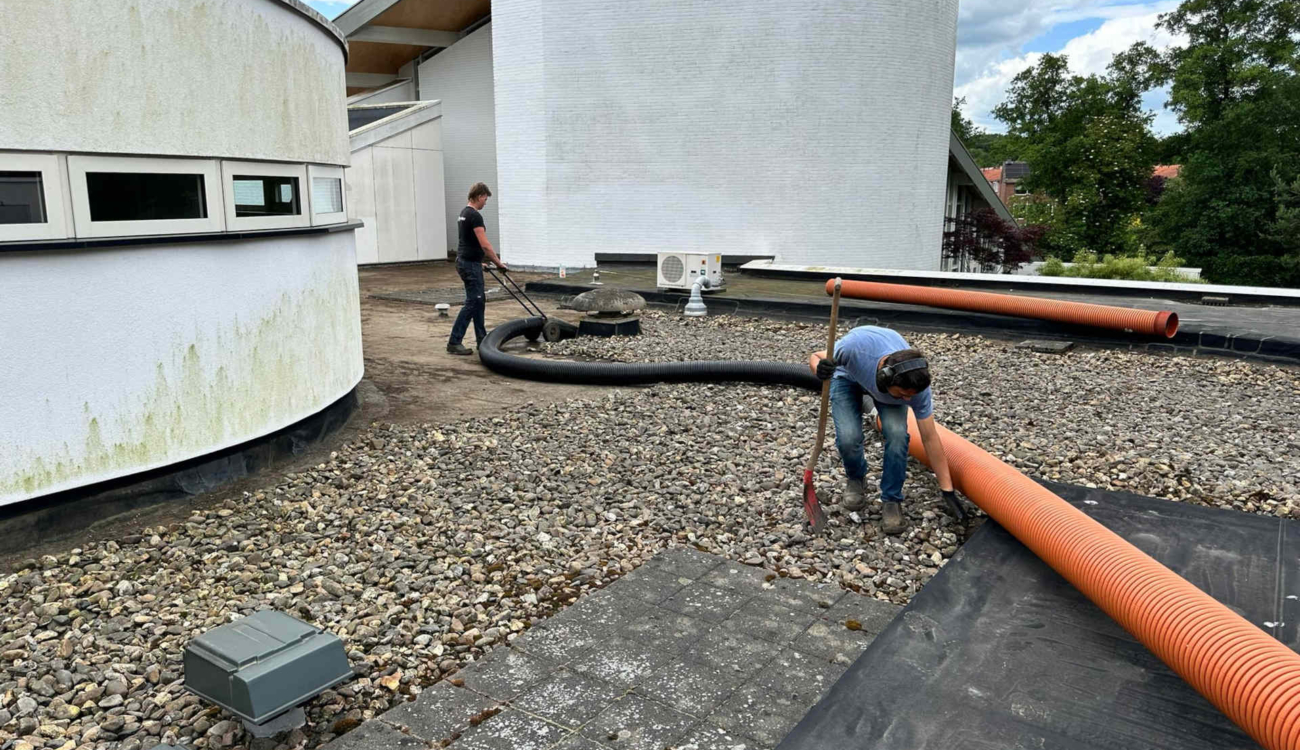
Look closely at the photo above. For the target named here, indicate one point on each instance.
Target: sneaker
(892, 519)
(459, 349)
(854, 498)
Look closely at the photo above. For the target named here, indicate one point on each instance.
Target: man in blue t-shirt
(878, 363)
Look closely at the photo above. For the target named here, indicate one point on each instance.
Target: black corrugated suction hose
(614, 373)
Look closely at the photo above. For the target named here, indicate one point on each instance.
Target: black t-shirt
(469, 249)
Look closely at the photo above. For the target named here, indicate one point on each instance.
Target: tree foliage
(984, 242)
(1235, 86)
(1089, 145)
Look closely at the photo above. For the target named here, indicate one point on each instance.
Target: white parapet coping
(414, 115)
(1099, 286)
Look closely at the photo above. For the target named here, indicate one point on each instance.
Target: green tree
(1234, 86)
(1089, 146)
(961, 124)
(1285, 231)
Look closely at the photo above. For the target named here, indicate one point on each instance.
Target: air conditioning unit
(680, 270)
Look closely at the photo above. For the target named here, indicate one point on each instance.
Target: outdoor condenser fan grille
(672, 269)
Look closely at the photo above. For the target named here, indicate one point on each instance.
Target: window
(264, 195)
(31, 197)
(327, 192)
(327, 202)
(139, 196)
(22, 198)
(125, 196)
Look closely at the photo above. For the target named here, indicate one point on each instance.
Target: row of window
(50, 196)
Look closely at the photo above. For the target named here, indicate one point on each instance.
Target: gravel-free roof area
(425, 546)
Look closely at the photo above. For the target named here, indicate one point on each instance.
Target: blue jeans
(846, 410)
(471, 273)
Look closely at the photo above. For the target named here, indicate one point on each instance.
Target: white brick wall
(814, 131)
(461, 76)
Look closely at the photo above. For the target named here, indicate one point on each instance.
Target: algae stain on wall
(215, 390)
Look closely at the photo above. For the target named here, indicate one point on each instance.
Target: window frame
(79, 165)
(264, 169)
(55, 226)
(332, 217)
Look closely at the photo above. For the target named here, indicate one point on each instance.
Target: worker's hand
(502, 266)
(956, 508)
(826, 368)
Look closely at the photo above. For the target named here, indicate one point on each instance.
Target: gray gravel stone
(425, 547)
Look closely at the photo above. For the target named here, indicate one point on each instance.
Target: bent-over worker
(878, 363)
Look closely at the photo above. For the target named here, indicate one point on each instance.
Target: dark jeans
(472, 274)
(846, 410)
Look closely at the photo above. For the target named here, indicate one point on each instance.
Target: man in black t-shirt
(470, 252)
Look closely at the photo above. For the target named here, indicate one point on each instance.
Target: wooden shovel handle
(826, 386)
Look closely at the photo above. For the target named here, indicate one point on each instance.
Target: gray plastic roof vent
(264, 665)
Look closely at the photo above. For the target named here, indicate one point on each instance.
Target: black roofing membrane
(1000, 652)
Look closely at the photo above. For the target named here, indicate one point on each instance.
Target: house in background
(627, 129)
(1006, 179)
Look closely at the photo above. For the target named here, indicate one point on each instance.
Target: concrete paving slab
(685, 562)
(763, 715)
(507, 674)
(872, 614)
(769, 621)
(736, 577)
(802, 595)
(733, 653)
(375, 735)
(830, 640)
(795, 670)
(438, 712)
(512, 730)
(651, 586)
(666, 630)
(636, 723)
(706, 602)
(621, 661)
(742, 667)
(568, 698)
(690, 687)
(707, 736)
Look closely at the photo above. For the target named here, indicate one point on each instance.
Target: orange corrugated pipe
(1247, 674)
(1163, 323)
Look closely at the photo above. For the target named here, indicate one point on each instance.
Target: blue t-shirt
(858, 357)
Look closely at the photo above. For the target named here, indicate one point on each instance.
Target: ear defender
(886, 375)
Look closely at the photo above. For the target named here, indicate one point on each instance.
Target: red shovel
(812, 507)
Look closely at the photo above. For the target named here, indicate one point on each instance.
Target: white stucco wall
(248, 79)
(461, 77)
(401, 92)
(817, 132)
(125, 359)
(396, 187)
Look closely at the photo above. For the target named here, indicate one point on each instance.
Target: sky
(996, 39)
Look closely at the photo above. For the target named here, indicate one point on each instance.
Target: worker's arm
(934, 451)
(488, 250)
(814, 359)
(821, 365)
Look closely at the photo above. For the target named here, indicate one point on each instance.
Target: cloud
(1088, 54)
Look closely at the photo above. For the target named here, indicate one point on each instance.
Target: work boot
(854, 499)
(892, 519)
(459, 349)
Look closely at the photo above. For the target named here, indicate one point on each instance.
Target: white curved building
(177, 269)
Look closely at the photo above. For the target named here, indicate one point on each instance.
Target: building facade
(816, 134)
(177, 270)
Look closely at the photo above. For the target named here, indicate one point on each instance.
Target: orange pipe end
(1149, 322)
(1251, 677)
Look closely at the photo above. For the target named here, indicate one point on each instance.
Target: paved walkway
(689, 651)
